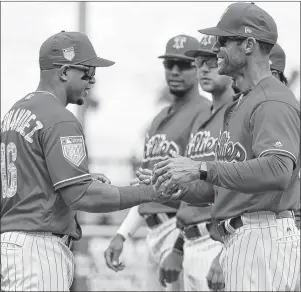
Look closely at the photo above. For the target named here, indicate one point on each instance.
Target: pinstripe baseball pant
(262, 255)
(35, 261)
(198, 256)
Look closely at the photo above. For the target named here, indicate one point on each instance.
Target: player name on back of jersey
(23, 121)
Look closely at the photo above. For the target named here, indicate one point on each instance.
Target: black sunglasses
(182, 65)
(222, 41)
(211, 62)
(89, 71)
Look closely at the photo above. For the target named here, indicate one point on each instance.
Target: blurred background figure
(168, 132)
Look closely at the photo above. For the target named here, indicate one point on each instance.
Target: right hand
(171, 267)
(112, 253)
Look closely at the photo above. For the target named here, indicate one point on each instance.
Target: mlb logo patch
(73, 148)
(69, 53)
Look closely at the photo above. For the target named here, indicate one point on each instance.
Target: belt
(230, 225)
(68, 239)
(195, 232)
(154, 220)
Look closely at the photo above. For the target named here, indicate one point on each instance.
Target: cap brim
(98, 62)
(216, 31)
(197, 53)
(177, 56)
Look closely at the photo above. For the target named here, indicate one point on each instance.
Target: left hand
(144, 175)
(101, 177)
(170, 173)
(215, 276)
(170, 268)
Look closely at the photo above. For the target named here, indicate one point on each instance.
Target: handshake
(169, 176)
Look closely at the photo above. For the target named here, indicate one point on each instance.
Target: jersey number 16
(8, 170)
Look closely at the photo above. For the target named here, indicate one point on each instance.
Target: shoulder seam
(57, 124)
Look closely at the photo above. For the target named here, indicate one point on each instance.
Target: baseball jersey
(201, 147)
(266, 120)
(170, 132)
(42, 150)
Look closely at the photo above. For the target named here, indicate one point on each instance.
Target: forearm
(197, 192)
(131, 223)
(102, 198)
(269, 173)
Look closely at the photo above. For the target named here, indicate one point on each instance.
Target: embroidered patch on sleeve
(73, 148)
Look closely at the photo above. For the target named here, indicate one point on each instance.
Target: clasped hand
(168, 175)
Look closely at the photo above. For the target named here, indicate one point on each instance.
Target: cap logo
(69, 53)
(207, 40)
(179, 42)
(248, 30)
(270, 61)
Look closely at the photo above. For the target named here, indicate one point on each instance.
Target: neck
(220, 98)
(253, 74)
(192, 94)
(56, 90)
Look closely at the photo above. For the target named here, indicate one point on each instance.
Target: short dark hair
(283, 79)
(265, 48)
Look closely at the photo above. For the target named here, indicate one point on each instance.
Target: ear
(63, 73)
(250, 45)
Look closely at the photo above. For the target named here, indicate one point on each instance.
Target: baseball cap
(205, 47)
(277, 58)
(245, 20)
(177, 47)
(70, 48)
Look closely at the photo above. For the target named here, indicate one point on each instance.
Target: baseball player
(198, 248)
(257, 160)
(169, 132)
(277, 65)
(44, 171)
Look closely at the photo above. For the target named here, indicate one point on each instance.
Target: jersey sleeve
(275, 129)
(65, 154)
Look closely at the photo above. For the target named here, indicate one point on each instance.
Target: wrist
(195, 174)
(120, 236)
(202, 170)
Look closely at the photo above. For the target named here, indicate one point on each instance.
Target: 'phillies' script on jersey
(158, 147)
(21, 121)
(229, 151)
(202, 144)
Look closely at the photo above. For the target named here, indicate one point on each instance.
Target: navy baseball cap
(70, 48)
(245, 20)
(277, 58)
(177, 47)
(205, 47)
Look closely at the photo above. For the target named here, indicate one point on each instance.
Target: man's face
(180, 75)
(208, 77)
(80, 80)
(231, 57)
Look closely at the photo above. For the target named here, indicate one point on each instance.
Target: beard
(231, 66)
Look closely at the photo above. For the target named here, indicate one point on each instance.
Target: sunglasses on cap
(182, 64)
(88, 70)
(222, 41)
(211, 62)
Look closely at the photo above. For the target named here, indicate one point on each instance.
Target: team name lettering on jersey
(228, 151)
(201, 145)
(21, 121)
(157, 147)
